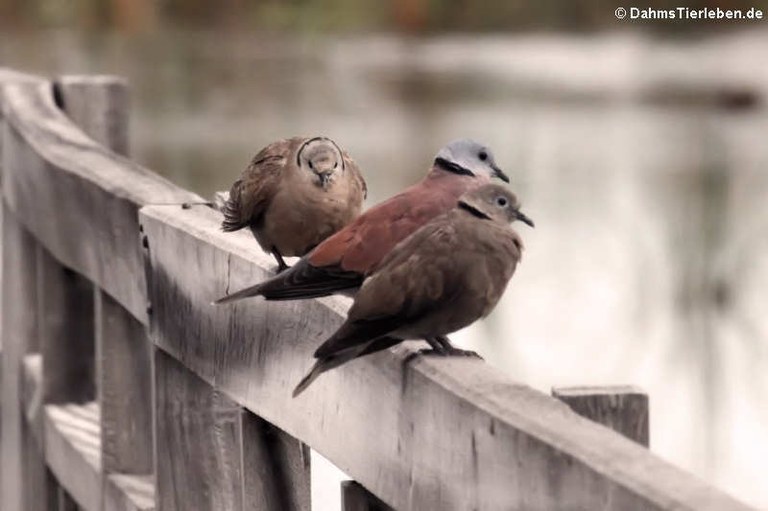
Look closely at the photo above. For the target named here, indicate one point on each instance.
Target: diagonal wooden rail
(100, 251)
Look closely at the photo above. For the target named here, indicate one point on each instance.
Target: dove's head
(470, 158)
(322, 159)
(494, 202)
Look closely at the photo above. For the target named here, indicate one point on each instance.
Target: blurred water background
(640, 150)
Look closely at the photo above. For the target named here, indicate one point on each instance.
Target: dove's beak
(500, 174)
(523, 218)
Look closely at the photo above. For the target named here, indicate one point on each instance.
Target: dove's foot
(441, 345)
(281, 266)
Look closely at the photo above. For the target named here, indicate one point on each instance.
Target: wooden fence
(124, 389)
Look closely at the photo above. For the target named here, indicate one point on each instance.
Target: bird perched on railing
(449, 273)
(294, 194)
(342, 261)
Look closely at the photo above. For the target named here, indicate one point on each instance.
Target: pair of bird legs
(440, 344)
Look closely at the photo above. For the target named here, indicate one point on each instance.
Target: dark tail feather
(319, 368)
(301, 281)
(244, 293)
(341, 357)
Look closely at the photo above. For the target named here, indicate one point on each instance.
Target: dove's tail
(299, 282)
(321, 366)
(336, 359)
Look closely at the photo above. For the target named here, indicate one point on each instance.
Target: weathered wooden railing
(124, 389)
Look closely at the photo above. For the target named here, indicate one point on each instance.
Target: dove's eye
(501, 202)
(310, 164)
(483, 156)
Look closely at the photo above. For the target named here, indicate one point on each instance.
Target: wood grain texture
(99, 106)
(65, 302)
(623, 409)
(23, 469)
(125, 388)
(198, 442)
(420, 433)
(73, 451)
(356, 498)
(276, 468)
(60, 173)
(129, 493)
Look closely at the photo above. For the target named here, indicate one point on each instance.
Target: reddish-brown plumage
(361, 245)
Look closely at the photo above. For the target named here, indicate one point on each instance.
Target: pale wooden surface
(72, 450)
(129, 493)
(125, 388)
(99, 106)
(198, 442)
(356, 498)
(32, 395)
(91, 192)
(24, 482)
(623, 409)
(432, 433)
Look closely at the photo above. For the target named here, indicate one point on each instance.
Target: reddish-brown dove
(449, 273)
(294, 194)
(342, 261)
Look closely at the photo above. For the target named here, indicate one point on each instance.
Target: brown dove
(449, 273)
(342, 261)
(294, 194)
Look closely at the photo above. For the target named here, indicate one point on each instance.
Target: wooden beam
(93, 193)
(72, 451)
(76, 432)
(420, 433)
(23, 467)
(198, 439)
(125, 389)
(276, 468)
(623, 409)
(99, 106)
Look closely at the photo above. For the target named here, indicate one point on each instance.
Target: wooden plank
(356, 498)
(425, 433)
(276, 468)
(99, 106)
(66, 332)
(32, 395)
(23, 469)
(125, 388)
(93, 193)
(121, 492)
(623, 409)
(198, 442)
(129, 493)
(72, 451)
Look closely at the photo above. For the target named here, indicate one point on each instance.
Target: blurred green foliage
(409, 16)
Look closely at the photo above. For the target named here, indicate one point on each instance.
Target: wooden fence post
(24, 481)
(198, 434)
(276, 468)
(623, 409)
(99, 106)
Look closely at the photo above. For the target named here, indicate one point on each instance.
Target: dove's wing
(415, 279)
(251, 194)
